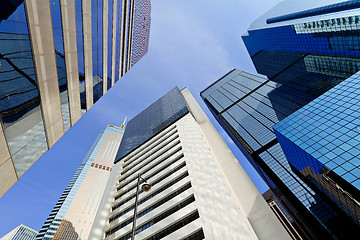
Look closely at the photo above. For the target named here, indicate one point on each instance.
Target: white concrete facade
(198, 189)
(80, 201)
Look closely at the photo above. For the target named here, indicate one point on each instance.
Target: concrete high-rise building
(57, 58)
(198, 188)
(74, 213)
(304, 48)
(21, 232)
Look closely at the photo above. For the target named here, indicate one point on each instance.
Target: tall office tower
(321, 143)
(198, 188)
(57, 58)
(20, 232)
(247, 107)
(304, 48)
(74, 213)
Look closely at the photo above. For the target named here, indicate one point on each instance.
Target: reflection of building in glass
(56, 61)
(281, 214)
(75, 211)
(321, 142)
(20, 232)
(198, 189)
(305, 49)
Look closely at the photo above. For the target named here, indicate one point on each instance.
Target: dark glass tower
(304, 49)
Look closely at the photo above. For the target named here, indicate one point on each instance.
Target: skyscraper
(57, 58)
(20, 232)
(74, 213)
(304, 48)
(198, 188)
(321, 142)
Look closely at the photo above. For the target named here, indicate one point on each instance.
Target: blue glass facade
(159, 115)
(321, 141)
(303, 58)
(19, 94)
(248, 106)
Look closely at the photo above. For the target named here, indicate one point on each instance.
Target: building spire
(123, 124)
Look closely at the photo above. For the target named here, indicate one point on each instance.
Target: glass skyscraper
(304, 48)
(321, 142)
(57, 58)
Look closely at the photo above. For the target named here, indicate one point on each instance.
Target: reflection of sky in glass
(19, 96)
(152, 120)
(60, 61)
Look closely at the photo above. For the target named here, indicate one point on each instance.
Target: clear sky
(192, 44)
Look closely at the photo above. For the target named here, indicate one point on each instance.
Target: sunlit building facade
(305, 48)
(198, 188)
(57, 58)
(74, 213)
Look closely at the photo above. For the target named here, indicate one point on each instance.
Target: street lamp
(145, 187)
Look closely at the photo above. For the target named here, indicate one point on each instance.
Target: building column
(88, 63)
(42, 44)
(8, 176)
(129, 39)
(113, 55)
(71, 58)
(105, 44)
(123, 33)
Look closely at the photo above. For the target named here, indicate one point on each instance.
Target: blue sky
(192, 44)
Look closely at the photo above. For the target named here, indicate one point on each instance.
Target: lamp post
(145, 187)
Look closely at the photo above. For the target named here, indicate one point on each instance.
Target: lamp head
(146, 187)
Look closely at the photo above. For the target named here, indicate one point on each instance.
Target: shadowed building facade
(57, 58)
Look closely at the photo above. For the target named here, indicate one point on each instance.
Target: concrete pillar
(42, 43)
(105, 43)
(71, 58)
(88, 63)
(8, 176)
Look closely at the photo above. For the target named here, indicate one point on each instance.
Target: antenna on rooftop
(123, 124)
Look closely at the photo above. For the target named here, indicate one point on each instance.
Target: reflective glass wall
(310, 56)
(60, 61)
(155, 118)
(97, 47)
(248, 106)
(19, 95)
(80, 48)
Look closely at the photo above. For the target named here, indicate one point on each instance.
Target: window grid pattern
(253, 118)
(323, 136)
(312, 57)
